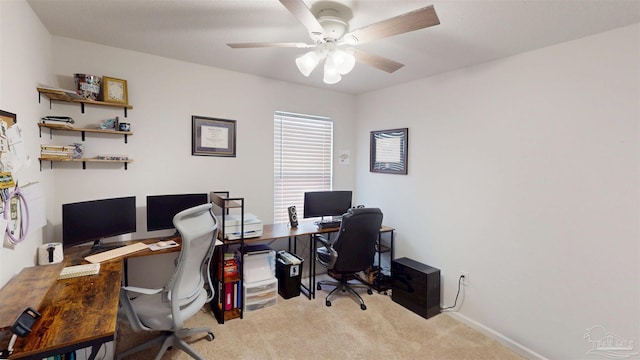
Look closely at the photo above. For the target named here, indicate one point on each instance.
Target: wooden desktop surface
(76, 312)
(284, 230)
(27, 289)
(75, 255)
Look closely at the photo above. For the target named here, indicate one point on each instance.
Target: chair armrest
(140, 290)
(323, 240)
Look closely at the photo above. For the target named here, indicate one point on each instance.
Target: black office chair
(352, 251)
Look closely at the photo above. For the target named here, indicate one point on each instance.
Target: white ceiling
(196, 31)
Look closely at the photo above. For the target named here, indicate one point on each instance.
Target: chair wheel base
(319, 287)
(328, 303)
(363, 306)
(210, 336)
(369, 291)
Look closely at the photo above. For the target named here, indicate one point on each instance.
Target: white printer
(232, 226)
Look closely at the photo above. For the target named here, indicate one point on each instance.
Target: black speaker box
(293, 216)
(416, 286)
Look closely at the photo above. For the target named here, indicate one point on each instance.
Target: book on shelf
(57, 119)
(230, 269)
(74, 151)
(228, 296)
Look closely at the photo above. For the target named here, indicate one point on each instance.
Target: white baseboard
(509, 343)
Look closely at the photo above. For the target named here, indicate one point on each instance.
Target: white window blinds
(302, 159)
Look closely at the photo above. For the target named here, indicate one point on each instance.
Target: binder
(228, 296)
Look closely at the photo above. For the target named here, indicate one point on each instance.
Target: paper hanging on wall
(344, 157)
(6, 180)
(16, 145)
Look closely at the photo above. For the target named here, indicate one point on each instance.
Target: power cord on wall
(456, 300)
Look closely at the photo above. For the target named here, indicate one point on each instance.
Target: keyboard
(117, 252)
(329, 224)
(79, 270)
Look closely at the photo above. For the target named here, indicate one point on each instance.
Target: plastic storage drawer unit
(261, 294)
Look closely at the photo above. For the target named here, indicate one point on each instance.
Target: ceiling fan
(332, 40)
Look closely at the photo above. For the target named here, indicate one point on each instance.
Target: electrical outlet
(465, 279)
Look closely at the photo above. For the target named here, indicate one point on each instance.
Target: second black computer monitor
(162, 208)
(326, 203)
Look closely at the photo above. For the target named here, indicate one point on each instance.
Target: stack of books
(57, 152)
(230, 267)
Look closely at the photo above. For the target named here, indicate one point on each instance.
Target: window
(302, 159)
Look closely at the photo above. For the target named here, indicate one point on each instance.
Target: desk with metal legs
(79, 312)
(305, 229)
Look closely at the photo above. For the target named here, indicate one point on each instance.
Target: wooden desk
(79, 312)
(305, 228)
(27, 289)
(76, 313)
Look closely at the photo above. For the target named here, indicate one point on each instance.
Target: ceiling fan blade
(269, 44)
(414, 20)
(376, 61)
(302, 13)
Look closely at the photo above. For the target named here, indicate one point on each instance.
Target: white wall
(524, 172)
(25, 62)
(165, 94)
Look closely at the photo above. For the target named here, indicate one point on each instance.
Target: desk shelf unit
(223, 205)
(382, 278)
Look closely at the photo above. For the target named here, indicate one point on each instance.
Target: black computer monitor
(162, 208)
(94, 220)
(326, 203)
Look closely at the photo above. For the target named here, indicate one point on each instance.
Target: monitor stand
(100, 246)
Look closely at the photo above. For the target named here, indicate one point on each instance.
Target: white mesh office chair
(188, 289)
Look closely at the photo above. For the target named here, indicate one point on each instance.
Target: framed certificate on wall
(213, 137)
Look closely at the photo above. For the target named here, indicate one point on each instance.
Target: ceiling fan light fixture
(331, 73)
(307, 62)
(343, 60)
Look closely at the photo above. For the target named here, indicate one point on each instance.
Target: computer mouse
(161, 244)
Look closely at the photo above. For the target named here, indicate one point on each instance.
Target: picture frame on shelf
(213, 136)
(114, 90)
(388, 151)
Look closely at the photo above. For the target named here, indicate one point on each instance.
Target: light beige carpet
(299, 328)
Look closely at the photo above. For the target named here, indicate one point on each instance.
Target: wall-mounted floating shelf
(52, 127)
(84, 161)
(59, 95)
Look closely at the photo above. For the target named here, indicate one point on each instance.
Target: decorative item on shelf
(124, 127)
(87, 86)
(112, 157)
(114, 90)
(109, 124)
(78, 150)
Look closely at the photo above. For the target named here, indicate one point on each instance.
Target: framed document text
(388, 152)
(213, 137)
